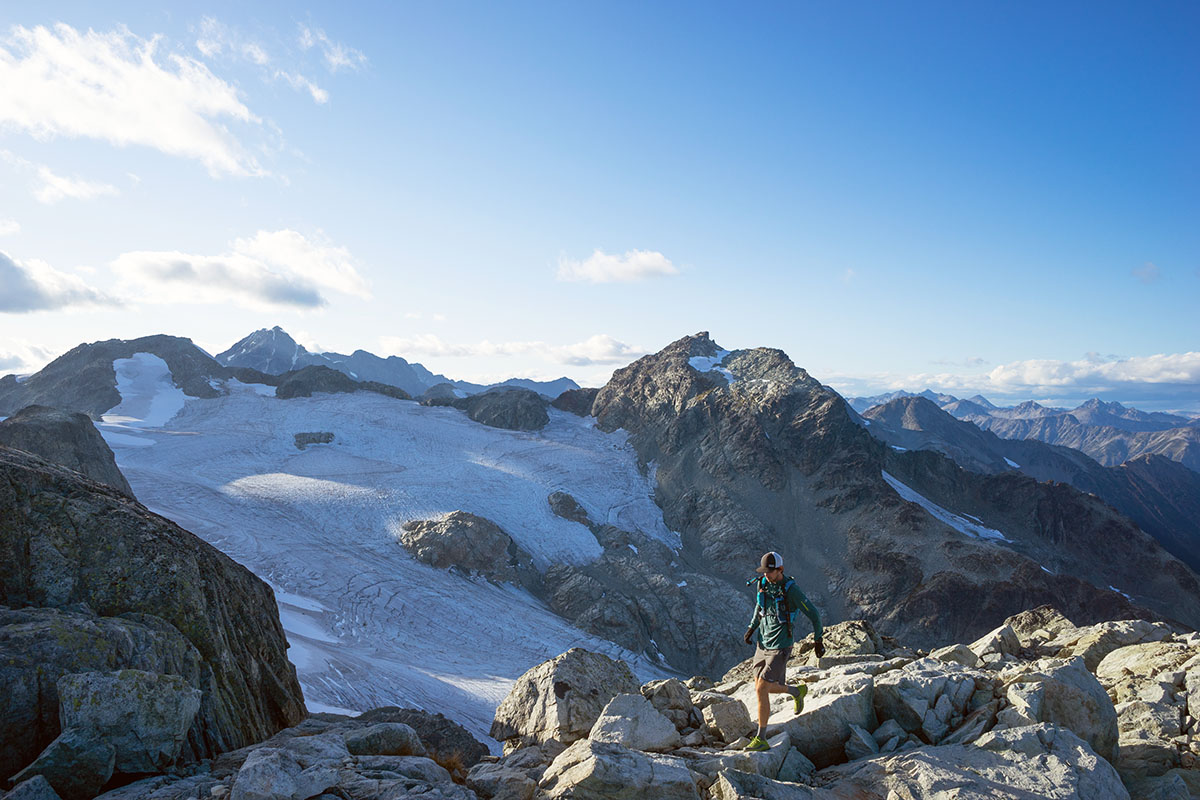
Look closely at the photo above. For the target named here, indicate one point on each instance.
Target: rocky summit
(129, 644)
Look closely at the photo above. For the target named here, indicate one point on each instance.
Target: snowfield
(976, 530)
(366, 623)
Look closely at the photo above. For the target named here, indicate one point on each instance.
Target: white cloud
(36, 286)
(337, 55)
(1147, 273)
(55, 187)
(22, 356)
(8, 227)
(299, 82)
(255, 53)
(274, 269)
(115, 86)
(598, 349)
(601, 267)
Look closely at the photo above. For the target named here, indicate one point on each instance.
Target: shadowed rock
(66, 438)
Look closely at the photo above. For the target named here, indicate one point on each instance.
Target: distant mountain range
(1110, 433)
(273, 351)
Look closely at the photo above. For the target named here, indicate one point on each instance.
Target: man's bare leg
(764, 689)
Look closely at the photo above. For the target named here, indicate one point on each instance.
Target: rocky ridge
(64, 438)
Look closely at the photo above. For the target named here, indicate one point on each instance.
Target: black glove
(820, 649)
(749, 637)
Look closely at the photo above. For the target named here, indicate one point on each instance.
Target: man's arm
(799, 601)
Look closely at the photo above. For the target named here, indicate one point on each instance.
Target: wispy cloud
(598, 349)
(299, 82)
(337, 55)
(8, 227)
(600, 267)
(49, 187)
(20, 355)
(1147, 273)
(274, 269)
(115, 86)
(36, 286)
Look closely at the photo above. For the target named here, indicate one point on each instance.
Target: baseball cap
(770, 561)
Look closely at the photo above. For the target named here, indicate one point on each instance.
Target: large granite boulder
(631, 721)
(927, 698)
(999, 764)
(66, 438)
(560, 699)
(468, 543)
(66, 541)
(75, 764)
(508, 408)
(145, 716)
(1062, 693)
(1093, 642)
(832, 707)
(590, 770)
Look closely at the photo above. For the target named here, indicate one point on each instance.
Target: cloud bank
(598, 349)
(36, 286)
(272, 270)
(115, 86)
(600, 267)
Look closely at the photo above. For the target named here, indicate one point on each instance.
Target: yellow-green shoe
(758, 744)
(801, 690)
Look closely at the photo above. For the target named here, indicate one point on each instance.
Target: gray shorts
(771, 665)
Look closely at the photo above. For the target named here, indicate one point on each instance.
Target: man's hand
(749, 637)
(820, 649)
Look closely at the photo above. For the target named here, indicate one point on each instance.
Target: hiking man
(778, 601)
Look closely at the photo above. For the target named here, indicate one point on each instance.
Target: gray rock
(998, 764)
(820, 732)
(36, 788)
(1094, 642)
(1069, 696)
(997, 645)
(590, 770)
(795, 767)
(75, 764)
(512, 409)
(143, 789)
(1043, 622)
(728, 719)
(977, 723)
(631, 721)
(957, 653)
(767, 763)
(65, 541)
(66, 438)
(560, 699)
(500, 782)
(911, 696)
(304, 439)
(385, 739)
(445, 741)
(860, 744)
(145, 716)
(271, 774)
(567, 507)
(416, 768)
(888, 729)
(466, 542)
(735, 785)
(320, 749)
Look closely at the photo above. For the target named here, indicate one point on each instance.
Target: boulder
(997, 765)
(997, 645)
(1128, 672)
(729, 719)
(795, 767)
(1069, 696)
(560, 699)
(766, 762)
(860, 744)
(957, 654)
(925, 696)
(40, 645)
(321, 749)
(416, 768)
(590, 770)
(466, 542)
(66, 438)
(65, 541)
(567, 507)
(270, 774)
(76, 764)
(1094, 642)
(1039, 624)
(36, 788)
(631, 721)
(145, 716)
(735, 785)
(851, 638)
(820, 732)
(385, 739)
(445, 741)
(500, 782)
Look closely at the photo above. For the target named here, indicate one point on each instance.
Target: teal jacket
(769, 613)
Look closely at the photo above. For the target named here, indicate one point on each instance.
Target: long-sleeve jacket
(775, 610)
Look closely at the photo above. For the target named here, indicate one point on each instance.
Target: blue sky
(999, 198)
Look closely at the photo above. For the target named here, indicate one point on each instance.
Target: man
(778, 601)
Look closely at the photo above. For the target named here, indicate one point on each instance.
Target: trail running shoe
(758, 744)
(801, 690)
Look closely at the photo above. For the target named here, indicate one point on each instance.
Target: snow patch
(898, 448)
(1118, 591)
(634, 549)
(1012, 463)
(681, 584)
(712, 364)
(149, 396)
(1050, 572)
(960, 524)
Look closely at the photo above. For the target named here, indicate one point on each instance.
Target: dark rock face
(164, 601)
(304, 382)
(511, 409)
(441, 394)
(83, 379)
(752, 454)
(576, 401)
(469, 543)
(65, 438)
